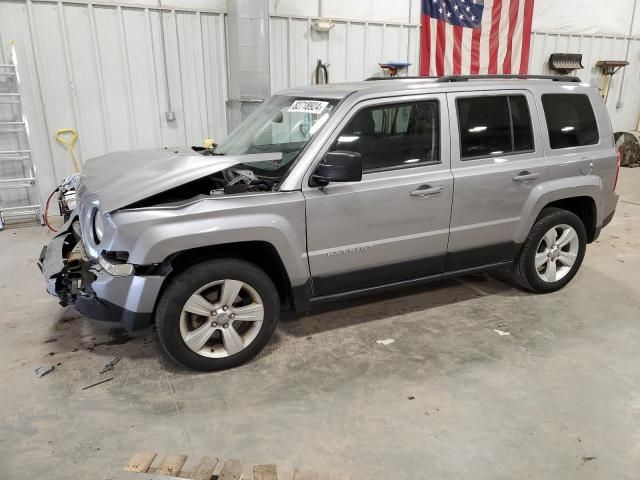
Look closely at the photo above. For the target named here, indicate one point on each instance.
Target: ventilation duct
(248, 44)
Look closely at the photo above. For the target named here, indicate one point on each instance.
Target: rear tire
(217, 314)
(552, 253)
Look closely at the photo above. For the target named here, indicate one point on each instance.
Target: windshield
(282, 124)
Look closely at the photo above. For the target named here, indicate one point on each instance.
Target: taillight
(615, 183)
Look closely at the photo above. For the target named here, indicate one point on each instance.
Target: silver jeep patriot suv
(333, 191)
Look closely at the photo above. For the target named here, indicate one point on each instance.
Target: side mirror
(339, 166)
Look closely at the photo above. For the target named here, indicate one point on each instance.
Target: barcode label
(308, 106)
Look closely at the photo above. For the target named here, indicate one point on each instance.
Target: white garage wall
(624, 115)
(583, 17)
(398, 11)
(98, 68)
(599, 31)
(353, 49)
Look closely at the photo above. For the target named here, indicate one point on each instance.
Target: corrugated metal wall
(594, 48)
(353, 49)
(98, 68)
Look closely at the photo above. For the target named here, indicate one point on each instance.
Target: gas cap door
(586, 166)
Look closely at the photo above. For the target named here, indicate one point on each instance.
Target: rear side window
(570, 120)
(495, 125)
(394, 136)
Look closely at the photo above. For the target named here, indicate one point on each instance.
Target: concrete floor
(559, 398)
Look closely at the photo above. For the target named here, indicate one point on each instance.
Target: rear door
(497, 160)
(393, 225)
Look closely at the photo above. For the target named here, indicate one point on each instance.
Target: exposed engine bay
(238, 179)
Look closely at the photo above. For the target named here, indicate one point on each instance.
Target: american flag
(475, 36)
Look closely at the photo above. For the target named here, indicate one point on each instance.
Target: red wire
(46, 212)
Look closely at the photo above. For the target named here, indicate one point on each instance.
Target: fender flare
(554, 190)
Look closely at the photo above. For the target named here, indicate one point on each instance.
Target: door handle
(525, 176)
(424, 191)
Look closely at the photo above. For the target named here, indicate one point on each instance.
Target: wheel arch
(260, 253)
(584, 206)
(580, 198)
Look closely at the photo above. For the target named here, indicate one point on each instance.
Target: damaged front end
(65, 265)
(101, 289)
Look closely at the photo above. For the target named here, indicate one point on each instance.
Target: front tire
(552, 253)
(217, 314)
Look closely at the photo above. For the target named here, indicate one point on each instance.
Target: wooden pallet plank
(304, 475)
(171, 465)
(122, 475)
(140, 462)
(204, 471)
(231, 470)
(265, 472)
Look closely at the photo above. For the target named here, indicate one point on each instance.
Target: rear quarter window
(570, 120)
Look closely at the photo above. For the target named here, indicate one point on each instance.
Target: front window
(394, 136)
(282, 124)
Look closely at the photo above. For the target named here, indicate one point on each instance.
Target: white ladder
(18, 156)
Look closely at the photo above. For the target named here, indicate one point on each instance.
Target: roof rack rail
(408, 77)
(464, 78)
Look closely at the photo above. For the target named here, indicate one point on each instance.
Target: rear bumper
(74, 279)
(610, 202)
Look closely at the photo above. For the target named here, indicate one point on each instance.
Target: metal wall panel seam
(156, 94)
(3, 59)
(222, 71)
(99, 73)
(308, 59)
(289, 54)
(133, 134)
(204, 101)
(68, 62)
(140, 6)
(346, 50)
(364, 54)
(328, 45)
(384, 31)
(36, 56)
(181, 86)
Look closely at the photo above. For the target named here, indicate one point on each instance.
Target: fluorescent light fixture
(567, 129)
(347, 139)
(322, 25)
(479, 128)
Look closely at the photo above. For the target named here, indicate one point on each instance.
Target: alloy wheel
(221, 318)
(557, 252)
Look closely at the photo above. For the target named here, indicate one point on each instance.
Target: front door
(393, 225)
(497, 163)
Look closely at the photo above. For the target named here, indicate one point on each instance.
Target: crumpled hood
(119, 179)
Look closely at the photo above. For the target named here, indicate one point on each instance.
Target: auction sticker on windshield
(308, 106)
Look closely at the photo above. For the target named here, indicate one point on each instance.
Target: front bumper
(74, 279)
